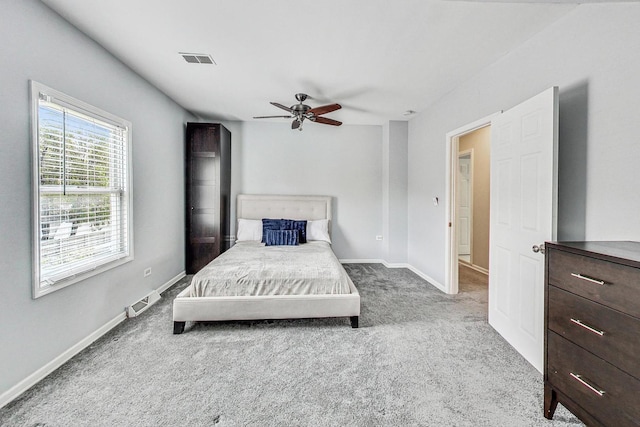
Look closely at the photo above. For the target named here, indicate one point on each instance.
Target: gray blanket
(251, 268)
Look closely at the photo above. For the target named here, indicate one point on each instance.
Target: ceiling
(378, 58)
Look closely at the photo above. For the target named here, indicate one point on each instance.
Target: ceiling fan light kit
(300, 111)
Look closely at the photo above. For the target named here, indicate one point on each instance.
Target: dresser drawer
(614, 285)
(607, 333)
(582, 376)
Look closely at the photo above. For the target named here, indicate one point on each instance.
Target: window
(82, 190)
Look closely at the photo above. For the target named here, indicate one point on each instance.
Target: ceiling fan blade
(272, 117)
(323, 109)
(285, 108)
(326, 121)
(295, 124)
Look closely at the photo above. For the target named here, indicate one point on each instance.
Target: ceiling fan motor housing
(300, 108)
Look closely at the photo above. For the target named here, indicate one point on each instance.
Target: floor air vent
(140, 306)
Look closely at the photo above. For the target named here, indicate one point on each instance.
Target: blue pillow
(292, 224)
(270, 224)
(282, 237)
(284, 224)
(301, 226)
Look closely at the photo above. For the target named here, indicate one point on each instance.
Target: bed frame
(186, 308)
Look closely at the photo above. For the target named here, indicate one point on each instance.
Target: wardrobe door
(202, 195)
(225, 189)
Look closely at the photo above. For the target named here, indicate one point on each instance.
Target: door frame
(451, 230)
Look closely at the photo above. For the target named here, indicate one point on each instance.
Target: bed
(237, 298)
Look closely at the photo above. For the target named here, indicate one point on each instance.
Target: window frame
(71, 103)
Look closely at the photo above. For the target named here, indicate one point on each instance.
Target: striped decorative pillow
(301, 227)
(270, 224)
(285, 224)
(293, 224)
(282, 238)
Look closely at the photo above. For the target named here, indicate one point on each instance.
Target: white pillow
(318, 230)
(249, 229)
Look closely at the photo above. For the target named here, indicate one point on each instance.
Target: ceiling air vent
(197, 58)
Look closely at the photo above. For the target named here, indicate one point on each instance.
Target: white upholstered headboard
(291, 207)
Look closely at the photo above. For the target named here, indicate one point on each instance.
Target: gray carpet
(420, 358)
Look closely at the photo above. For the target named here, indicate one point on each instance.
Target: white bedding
(251, 268)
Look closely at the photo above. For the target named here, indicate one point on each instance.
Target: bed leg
(178, 327)
(354, 321)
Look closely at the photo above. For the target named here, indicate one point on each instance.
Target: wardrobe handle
(587, 327)
(588, 279)
(586, 384)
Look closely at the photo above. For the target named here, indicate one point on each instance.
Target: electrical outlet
(378, 237)
(147, 272)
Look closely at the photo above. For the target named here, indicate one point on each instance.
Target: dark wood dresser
(592, 331)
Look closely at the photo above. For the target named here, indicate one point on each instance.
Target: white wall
(592, 55)
(394, 187)
(37, 44)
(344, 162)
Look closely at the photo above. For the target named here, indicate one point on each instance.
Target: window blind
(83, 198)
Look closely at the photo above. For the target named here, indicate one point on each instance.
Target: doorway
(468, 185)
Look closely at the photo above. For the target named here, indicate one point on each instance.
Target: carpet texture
(420, 358)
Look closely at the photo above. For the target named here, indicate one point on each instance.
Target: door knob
(537, 248)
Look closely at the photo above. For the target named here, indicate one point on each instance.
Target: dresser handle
(588, 279)
(587, 327)
(586, 384)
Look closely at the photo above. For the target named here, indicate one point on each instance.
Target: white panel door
(523, 214)
(464, 205)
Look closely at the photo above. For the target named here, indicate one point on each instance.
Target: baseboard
(24, 385)
(475, 267)
(396, 264)
(38, 375)
(171, 282)
(426, 277)
(361, 261)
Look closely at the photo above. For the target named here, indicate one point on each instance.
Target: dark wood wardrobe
(208, 193)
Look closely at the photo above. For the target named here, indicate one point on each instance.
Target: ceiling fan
(299, 112)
